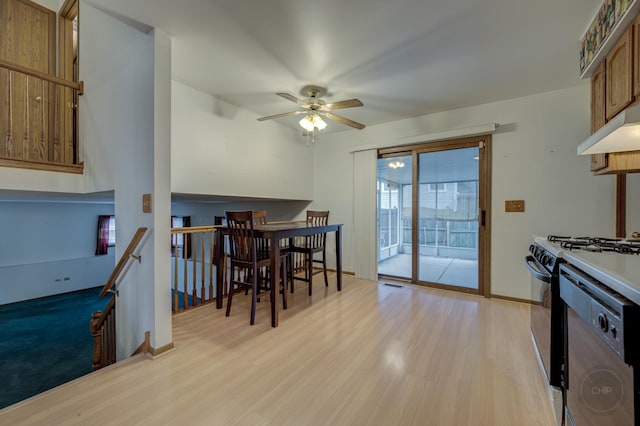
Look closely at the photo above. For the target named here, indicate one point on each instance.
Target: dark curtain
(186, 222)
(102, 245)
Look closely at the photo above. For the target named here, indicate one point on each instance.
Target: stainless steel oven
(601, 352)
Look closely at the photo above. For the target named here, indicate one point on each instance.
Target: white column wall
(121, 152)
(534, 158)
(160, 322)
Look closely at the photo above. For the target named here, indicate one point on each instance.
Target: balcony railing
(38, 120)
(193, 272)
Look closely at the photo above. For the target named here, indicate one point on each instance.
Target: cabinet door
(598, 99)
(598, 115)
(636, 56)
(619, 81)
(599, 161)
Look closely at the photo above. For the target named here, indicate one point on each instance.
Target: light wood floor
(369, 355)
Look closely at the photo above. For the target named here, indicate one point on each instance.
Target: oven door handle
(532, 265)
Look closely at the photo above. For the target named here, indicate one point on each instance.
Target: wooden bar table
(276, 232)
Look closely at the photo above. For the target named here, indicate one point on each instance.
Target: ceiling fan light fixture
(312, 121)
(318, 122)
(396, 164)
(306, 123)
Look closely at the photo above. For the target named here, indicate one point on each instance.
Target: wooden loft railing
(38, 120)
(103, 323)
(193, 275)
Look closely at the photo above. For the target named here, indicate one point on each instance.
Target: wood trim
(40, 75)
(145, 346)
(431, 146)
(621, 205)
(484, 256)
(161, 350)
(450, 287)
(516, 299)
(415, 219)
(69, 9)
(47, 166)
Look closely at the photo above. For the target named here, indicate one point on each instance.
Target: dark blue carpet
(45, 343)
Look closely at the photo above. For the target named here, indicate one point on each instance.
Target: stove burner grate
(598, 244)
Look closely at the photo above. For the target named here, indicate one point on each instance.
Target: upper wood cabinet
(636, 56)
(598, 114)
(598, 98)
(619, 75)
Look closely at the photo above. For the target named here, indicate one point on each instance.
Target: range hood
(622, 133)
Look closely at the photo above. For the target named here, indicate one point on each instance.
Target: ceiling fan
(313, 108)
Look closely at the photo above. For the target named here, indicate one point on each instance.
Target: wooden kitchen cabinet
(598, 98)
(619, 75)
(617, 163)
(598, 113)
(636, 56)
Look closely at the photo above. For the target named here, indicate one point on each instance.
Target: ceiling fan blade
(291, 98)
(344, 120)
(350, 103)
(284, 114)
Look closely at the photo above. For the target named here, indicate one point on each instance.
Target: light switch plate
(146, 203)
(514, 206)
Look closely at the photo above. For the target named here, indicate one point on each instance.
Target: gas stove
(597, 244)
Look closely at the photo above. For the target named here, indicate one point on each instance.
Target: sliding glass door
(448, 217)
(394, 193)
(432, 214)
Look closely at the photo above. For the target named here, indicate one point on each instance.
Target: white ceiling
(401, 58)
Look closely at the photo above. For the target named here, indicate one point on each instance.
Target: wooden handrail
(193, 229)
(123, 260)
(19, 68)
(100, 316)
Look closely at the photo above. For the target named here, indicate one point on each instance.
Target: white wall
(218, 149)
(534, 158)
(34, 232)
(122, 151)
(48, 248)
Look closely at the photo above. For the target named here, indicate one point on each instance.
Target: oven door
(541, 317)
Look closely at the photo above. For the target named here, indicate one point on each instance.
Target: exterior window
(112, 231)
(177, 239)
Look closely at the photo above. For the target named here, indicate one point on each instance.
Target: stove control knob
(544, 259)
(614, 332)
(532, 248)
(603, 322)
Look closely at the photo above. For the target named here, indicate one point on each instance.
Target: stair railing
(103, 323)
